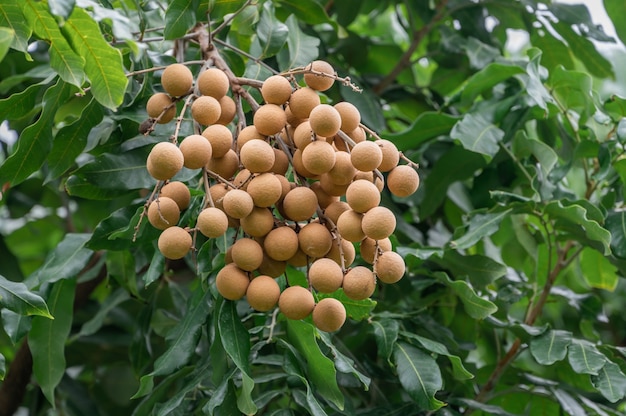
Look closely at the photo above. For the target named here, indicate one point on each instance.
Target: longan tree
(311, 207)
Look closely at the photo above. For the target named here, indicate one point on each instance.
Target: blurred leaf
(584, 357)
(16, 297)
(15, 324)
(61, 8)
(559, 54)
(369, 106)
(426, 126)
(308, 11)
(478, 135)
(302, 48)
(572, 89)
(68, 258)
(616, 224)
(156, 268)
(598, 270)
(579, 16)
(480, 226)
(271, 32)
(568, 403)
(180, 16)
(535, 87)
(523, 147)
(551, 346)
(610, 381)
(486, 78)
(344, 364)
(11, 16)
(616, 10)
(120, 295)
(386, 335)
(475, 306)
(147, 406)
(118, 220)
(480, 54)
(21, 103)
(480, 269)
(121, 267)
(419, 374)
(586, 52)
(459, 371)
(196, 377)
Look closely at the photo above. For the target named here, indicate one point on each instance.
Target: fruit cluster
(301, 186)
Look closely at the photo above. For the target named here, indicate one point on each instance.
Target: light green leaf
(68, 258)
(428, 125)
(598, 270)
(478, 135)
(584, 357)
(302, 48)
(180, 16)
(458, 369)
(486, 78)
(616, 224)
(12, 17)
(15, 324)
(475, 306)
(355, 309)
(386, 335)
(573, 91)
(16, 297)
(245, 404)
(7, 36)
(481, 270)
(480, 54)
(559, 54)
(419, 374)
(551, 346)
(479, 227)
(524, 147)
(616, 10)
(535, 87)
(568, 403)
(610, 381)
(21, 103)
(585, 51)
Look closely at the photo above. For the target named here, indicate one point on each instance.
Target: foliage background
(515, 242)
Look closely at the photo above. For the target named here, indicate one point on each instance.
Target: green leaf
(616, 224)
(308, 11)
(120, 295)
(428, 125)
(245, 404)
(321, 370)
(196, 378)
(610, 381)
(478, 135)
(163, 391)
(419, 374)
(535, 87)
(36, 140)
(343, 364)
(584, 357)
(585, 51)
(156, 268)
(103, 63)
(47, 338)
(475, 306)
(121, 267)
(180, 16)
(15, 325)
(21, 103)
(355, 309)
(551, 346)
(235, 337)
(63, 59)
(480, 54)
(573, 90)
(16, 297)
(6, 37)
(271, 32)
(481, 270)
(568, 403)
(118, 220)
(486, 78)
(68, 258)
(459, 371)
(61, 8)
(302, 48)
(559, 53)
(523, 147)
(598, 270)
(616, 9)
(11, 16)
(386, 335)
(479, 227)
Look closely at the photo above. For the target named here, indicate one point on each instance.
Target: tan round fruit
(276, 90)
(281, 243)
(359, 283)
(257, 156)
(362, 195)
(265, 189)
(179, 192)
(318, 157)
(335, 209)
(325, 275)
(325, 120)
(292, 120)
(378, 223)
(298, 166)
(389, 267)
(315, 240)
(367, 248)
(220, 137)
(366, 156)
(330, 187)
(349, 226)
(320, 82)
(228, 110)
(237, 203)
(347, 250)
(242, 179)
(263, 293)
(212, 222)
(303, 135)
(271, 267)
(213, 82)
(286, 185)
(161, 103)
(329, 315)
(300, 203)
(269, 119)
(281, 162)
(350, 116)
(174, 243)
(296, 302)
(164, 161)
(232, 282)
(403, 181)
(391, 155)
(163, 212)
(247, 254)
(302, 101)
(225, 166)
(196, 151)
(258, 223)
(217, 192)
(206, 110)
(323, 199)
(370, 177)
(343, 170)
(246, 134)
(300, 259)
(177, 80)
(358, 135)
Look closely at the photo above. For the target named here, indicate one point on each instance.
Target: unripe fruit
(378, 223)
(164, 161)
(213, 82)
(276, 90)
(263, 293)
(225, 166)
(302, 101)
(325, 120)
(258, 223)
(163, 213)
(157, 103)
(325, 275)
(269, 119)
(349, 226)
(281, 243)
(347, 249)
(329, 315)
(174, 243)
(196, 151)
(389, 267)
(265, 189)
(359, 283)
(391, 156)
(228, 110)
(315, 240)
(257, 156)
(318, 157)
(237, 203)
(246, 134)
(343, 170)
(177, 80)
(362, 195)
(300, 204)
(296, 302)
(350, 116)
(232, 282)
(367, 248)
(335, 209)
(247, 254)
(212, 222)
(206, 110)
(366, 156)
(221, 139)
(179, 192)
(320, 82)
(403, 181)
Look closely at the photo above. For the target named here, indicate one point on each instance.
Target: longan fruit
(276, 90)
(263, 293)
(164, 161)
(320, 82)
(212, 222)
(265, 189)
(177, 80)
(330, 187)
(206, 110)
(196, 151)
(163, 212)
(329, 315)
(237, 203)
(318, 157)
(281, 243)
(403, 181)
(367, 248)
(391, 155)
(220, 137)
(296, 302)
(343, 170)
(378, 223)
(315, 240)
(349, 226)
(217, 192)
(302, 101)
(228, 110)
(232, 282)
(157, 104)
(247, 254)
(303, 135)
(179, 192)
(292, 120)
(271, 267)
(300, 203)
(370, 177)
(269, 119)
(325, 120)
(359, 283)
(242, 179)
(286, 186)
(281, 162)
(246, 134)
(335, 209)
(214, 83)
(348, 250)
(258, 223)
(350, 116)
(362, 195)
(323, 199)
(174, 243)
(366, 156)
(357, 135)
(325, 275)
(389, 267)
(257, 156)
(298, 166)
(225, 166)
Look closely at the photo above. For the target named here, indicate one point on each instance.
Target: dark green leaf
(478, 135)
(616, 9)
(460, 372)
(90, 327)
(21, 103)
(344, 364)
(486, 78)
(118, 220)
(15, 325)
(11, 16)
(386, 334)
(572, 89)
(121, 267)
(419, 374)
(80, 187)
(584, 357)
(68, 258)
(480, 269)
(559, 53)
(369, 106)
(475, 306)
(523, 147)
(162, 391)
(426, 126)
(616, 224)
(534, 84)
(16, 297)
(586, 52)
(568, 403)
(308, 11)
(302, 48)
(550, 347)
(235, 338)
(156, 268)
(598, 270)
(610, 381)
(179, 18)
(6, 38)
(195, 379)
(479, 227)
(480, 54)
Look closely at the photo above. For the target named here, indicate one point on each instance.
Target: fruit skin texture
(196, 151)
(368, 248)
(157, 103)
(366, 156)
(389, 267)
(349, 225)
(259, 223)
(296, 302)
(238, 203)
(213, 82)
(391, 155)
(232, 282)
(325, 275)
(362, 195)
(228, 110)
(276, 90)
(221, 139)
(247, 254)
(325, 120)
(177, 80)
(265, 189)
(281, 243)
(174, 243)
(348, 250)
(300, 203)
(350, 116)
(359, 283)
(302, 101)
(163, 213)
(315, 240)
(320, 82)
(318, 157)
(179, 192)
(164, 161)
(403, 181)
(263, 293)
(269, 119)
(225, 166)
(212, 222)
(329, 315)
(257, 156)
(378, 223)
(206, 110)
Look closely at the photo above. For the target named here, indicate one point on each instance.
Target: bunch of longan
(301, 186)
